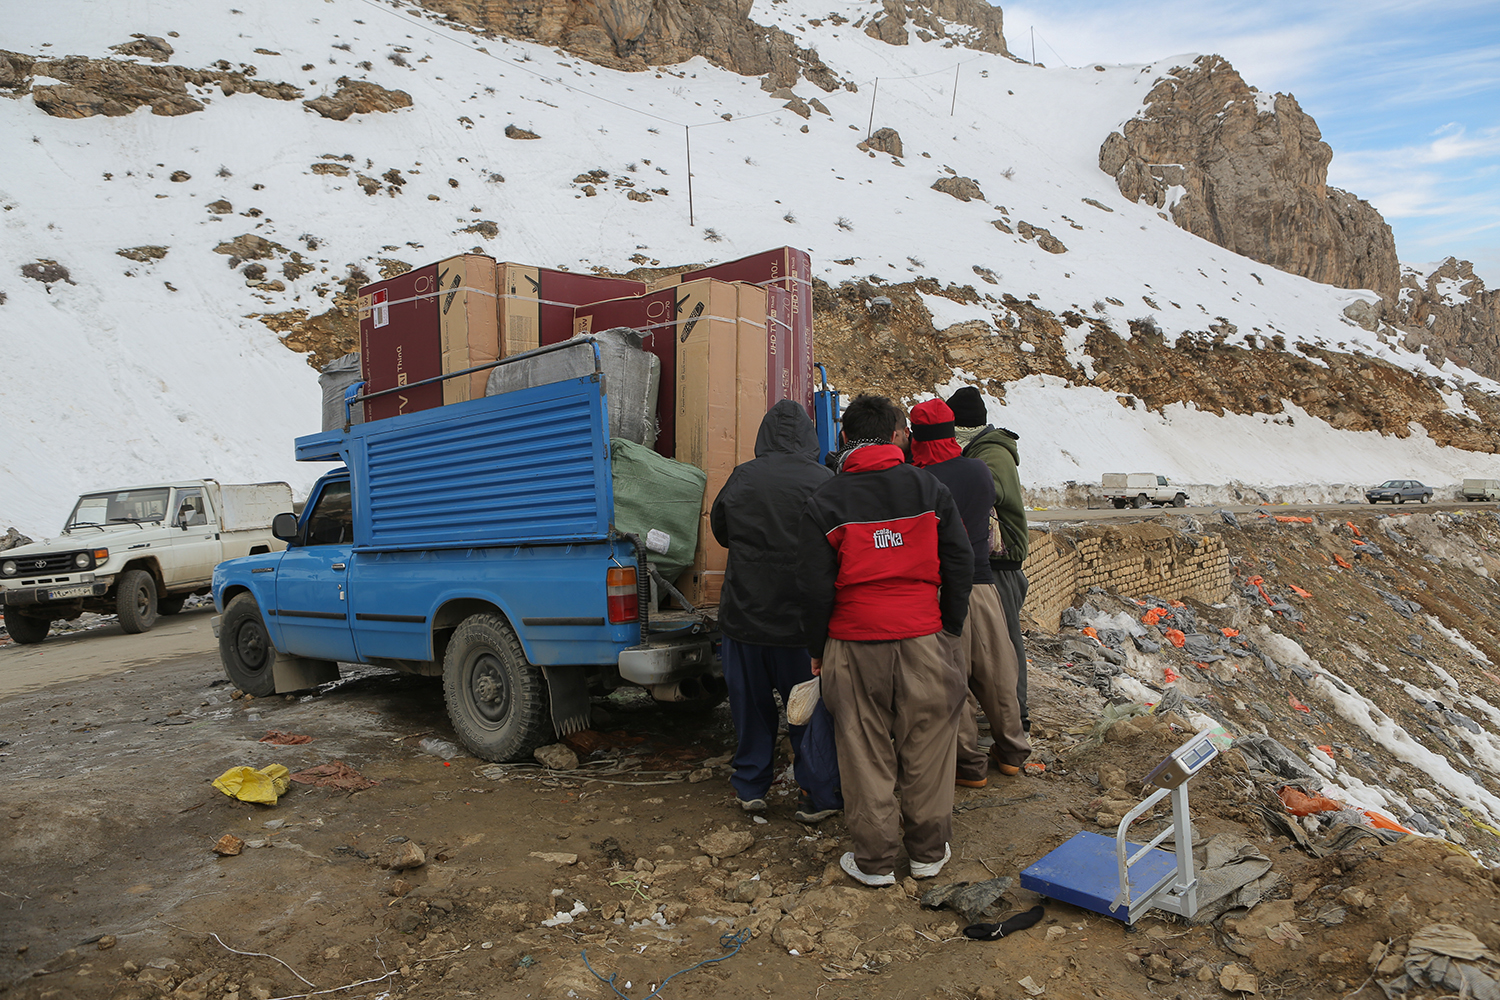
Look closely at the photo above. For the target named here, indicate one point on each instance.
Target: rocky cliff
(1249, 172)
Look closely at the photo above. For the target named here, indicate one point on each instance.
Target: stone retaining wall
(1141, 559)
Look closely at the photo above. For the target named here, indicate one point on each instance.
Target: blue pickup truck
(473, 541)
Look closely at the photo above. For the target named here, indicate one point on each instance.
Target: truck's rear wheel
(245, 648)
(1141, 500)
(1120, 504)
(1180, 500)
(25, 629)
(170, 604)
(497, 700)
(135, 601)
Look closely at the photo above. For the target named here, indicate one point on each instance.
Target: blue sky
(1407, 92)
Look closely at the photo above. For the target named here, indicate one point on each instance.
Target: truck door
(192, 545)
(312, 603)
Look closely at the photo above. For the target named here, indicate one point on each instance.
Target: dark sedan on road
(1398, 491)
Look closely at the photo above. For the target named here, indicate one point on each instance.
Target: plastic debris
(247, 784)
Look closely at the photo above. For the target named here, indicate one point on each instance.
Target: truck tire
(1180, 500)
(245, 648)
(135, 601)
(25, 629)
(170, 604)
(497, 700)
(1120, 504)
(1141, 501)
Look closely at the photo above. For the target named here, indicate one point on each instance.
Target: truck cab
(473, 541)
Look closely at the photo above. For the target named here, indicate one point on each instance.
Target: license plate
(67, 592)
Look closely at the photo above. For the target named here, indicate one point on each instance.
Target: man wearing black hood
(756, 517)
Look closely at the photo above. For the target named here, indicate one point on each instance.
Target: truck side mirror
(284, 528)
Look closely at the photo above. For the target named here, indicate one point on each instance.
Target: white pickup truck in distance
(1141, 488)
(136, 553)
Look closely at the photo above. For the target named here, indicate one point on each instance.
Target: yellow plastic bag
(249, 785)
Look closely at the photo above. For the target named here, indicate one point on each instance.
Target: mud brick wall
(1135, 560)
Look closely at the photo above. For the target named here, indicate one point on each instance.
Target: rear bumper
(666, 663)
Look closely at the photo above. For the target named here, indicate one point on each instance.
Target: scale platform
(1084, 871)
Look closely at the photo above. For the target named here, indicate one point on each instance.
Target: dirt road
(97, 652)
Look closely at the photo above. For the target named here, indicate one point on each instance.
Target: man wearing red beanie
(984, 653)
(886, 568)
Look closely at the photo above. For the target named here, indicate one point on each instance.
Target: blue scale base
(1086, 872)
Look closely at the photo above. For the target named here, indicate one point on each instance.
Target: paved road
(106, 650)
(1349, 509)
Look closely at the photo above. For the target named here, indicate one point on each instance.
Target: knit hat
(968, 407)
(932, 433)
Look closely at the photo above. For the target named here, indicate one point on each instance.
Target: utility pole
(1033, 45)
(687, 135)
(955, 91)
(870, 128)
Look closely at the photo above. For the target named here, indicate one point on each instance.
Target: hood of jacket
(787, 429)
(1002, 436)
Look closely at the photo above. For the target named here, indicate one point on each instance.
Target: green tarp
(657, 494)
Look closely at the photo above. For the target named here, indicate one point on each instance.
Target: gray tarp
(336, 376)
(632, 380)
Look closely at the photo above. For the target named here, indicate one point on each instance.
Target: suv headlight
(8, 568)
(82, 560)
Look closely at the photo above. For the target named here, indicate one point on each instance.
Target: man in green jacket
(996, 448)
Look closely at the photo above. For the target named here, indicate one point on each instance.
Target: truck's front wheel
(245, 648)
(135, 601)
(1180, 500)
(497, 700)
(25, 629)
(1141, 501)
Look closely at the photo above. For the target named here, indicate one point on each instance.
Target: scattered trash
(969, 900)
(439, 748)
(1176, 638)
(278, 738)
(1298, 590)
(556, 757)
(247, 784)
(334, 775)
(802, 700)
(1019, 922)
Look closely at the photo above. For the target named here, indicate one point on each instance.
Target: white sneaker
(928, 869)
(852, 870)
(752, 805)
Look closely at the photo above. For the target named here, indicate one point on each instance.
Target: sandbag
(660, 500)
(632, 379)
(334, 377)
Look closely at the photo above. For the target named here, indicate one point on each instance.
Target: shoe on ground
(752, 805)
(928, 869)
(971, 782)
(1009, 770)
(852, 870)
(807, 814)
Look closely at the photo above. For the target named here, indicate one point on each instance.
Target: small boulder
(726, 843)
(556, 757)
(962, 188)
(408, 856)
(888, 140)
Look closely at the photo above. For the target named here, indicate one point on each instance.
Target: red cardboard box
(430, 321)
(654, 316)
(537, 303)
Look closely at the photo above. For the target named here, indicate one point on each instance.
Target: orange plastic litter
(1291, 700)
(1177, 604)
(1299, 803)
(1299, 591)
(1091, 632)
(1154, 615)
(1034, 767)
(1175, 637)
(1230, 633)
(1381, 822)
(1357, 533)
(1341, 561)
(1168, 675)
(1289, 519)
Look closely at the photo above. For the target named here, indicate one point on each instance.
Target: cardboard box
(430, 321)
(752, 395)
(789, 271)
(537, 303)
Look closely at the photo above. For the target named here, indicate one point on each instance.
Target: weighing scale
(1095, 872)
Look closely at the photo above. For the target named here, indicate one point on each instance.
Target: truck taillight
(624, 604)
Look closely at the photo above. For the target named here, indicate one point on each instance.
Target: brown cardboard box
(786, 274)
(752, 371)
(537, 303)
(430, 321)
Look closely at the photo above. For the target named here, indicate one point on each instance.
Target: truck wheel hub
(487, 688)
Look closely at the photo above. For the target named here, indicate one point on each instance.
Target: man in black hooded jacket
(756, 517)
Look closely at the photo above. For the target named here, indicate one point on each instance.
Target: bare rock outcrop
(970, 23)
(1249, 171)
(634, 34)
(114, 87)
(358, 97)
(1450, 311)
(886, 140)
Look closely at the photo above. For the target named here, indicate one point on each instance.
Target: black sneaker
(807, 814)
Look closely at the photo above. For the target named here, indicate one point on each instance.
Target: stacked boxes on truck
(458, 313)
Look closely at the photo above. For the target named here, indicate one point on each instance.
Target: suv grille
(54, 562)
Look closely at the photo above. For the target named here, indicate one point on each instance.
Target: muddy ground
(111, 887)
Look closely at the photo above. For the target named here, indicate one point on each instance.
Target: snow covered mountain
(191, 194)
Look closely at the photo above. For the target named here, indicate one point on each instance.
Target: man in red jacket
(887, 570)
